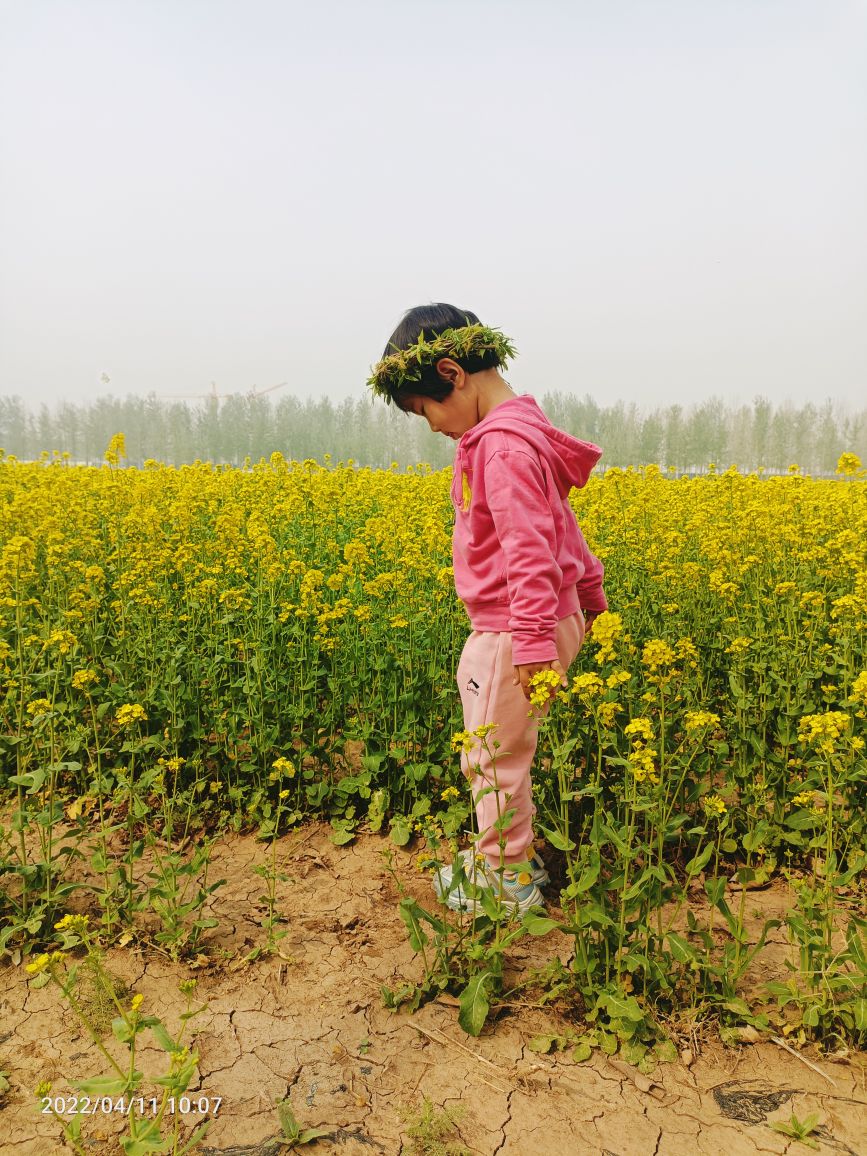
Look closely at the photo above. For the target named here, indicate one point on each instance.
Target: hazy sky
(657, 200)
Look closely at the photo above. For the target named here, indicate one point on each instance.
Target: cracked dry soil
(312, 1026)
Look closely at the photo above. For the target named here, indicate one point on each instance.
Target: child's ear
(449, 370)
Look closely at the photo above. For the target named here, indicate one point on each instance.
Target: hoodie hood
(571, 460)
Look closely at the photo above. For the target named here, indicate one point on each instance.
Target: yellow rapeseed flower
(462, 741)
(82, 679)
(484, 730)
(698, 719)
(588, 684)
(714, 807)
(849, 465)
(75, 923)
(541, 685)
(130, 713)
(607, 629)
(641, 728)
(823, 732)
(739, 645)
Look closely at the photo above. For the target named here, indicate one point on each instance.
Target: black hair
(432, 320)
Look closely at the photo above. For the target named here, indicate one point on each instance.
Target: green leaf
(162, 1037)
(436, 924)
(122, 1030)
(401, 832)
(561, 842)
(491, 904)
(621, 1007)
(587, 877)
(474, 1006)
(680, 949)
(539, 924)
(633, 1052)
(812, 1014)
(542, 1044)
(801, 820)
(345, 835)
(32, 779)
(780, 990)
(666, 1052)
(609, 1043)
(311, 1134)
(700, 861)
(408, 910)
(582, 1052)
(143, 1145)
(737, 1006)
(194, 1139)
(101, 1086)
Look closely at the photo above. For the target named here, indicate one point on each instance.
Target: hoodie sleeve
(591, 596)
(515, 492)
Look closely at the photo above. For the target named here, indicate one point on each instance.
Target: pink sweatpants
(485, 674)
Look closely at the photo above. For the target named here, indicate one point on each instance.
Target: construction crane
(214, 396)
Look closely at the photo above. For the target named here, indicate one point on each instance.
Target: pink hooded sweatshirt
(520, 560)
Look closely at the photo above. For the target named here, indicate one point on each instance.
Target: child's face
(453, 416)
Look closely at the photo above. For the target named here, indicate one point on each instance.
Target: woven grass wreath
(404, 367)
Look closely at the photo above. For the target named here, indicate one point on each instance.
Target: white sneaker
(518, 890)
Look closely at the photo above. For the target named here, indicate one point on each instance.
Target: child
(521, 567)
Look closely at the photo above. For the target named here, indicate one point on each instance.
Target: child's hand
(523, 674)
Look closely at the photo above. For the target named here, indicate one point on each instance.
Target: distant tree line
(240, 428)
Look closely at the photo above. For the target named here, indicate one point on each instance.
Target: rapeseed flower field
(244, 648)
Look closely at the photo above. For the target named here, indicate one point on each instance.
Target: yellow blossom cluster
(739, 645)
(714, 806)
(642, 758)
(75, 923)
(63, 641)
(282, 768)
(859, 694)
(129, 713)
(587, 685)
(849, 466)
(607, 629)
(824, 732)
(695, 720)
(173, 764)
(43, 962)
(542, 684)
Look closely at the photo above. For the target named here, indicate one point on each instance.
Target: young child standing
(529, 583)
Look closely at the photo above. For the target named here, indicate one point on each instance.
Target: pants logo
(473, 687)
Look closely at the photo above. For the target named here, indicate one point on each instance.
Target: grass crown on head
(425, 336)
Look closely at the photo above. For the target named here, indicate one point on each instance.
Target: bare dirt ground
(311, 1027)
